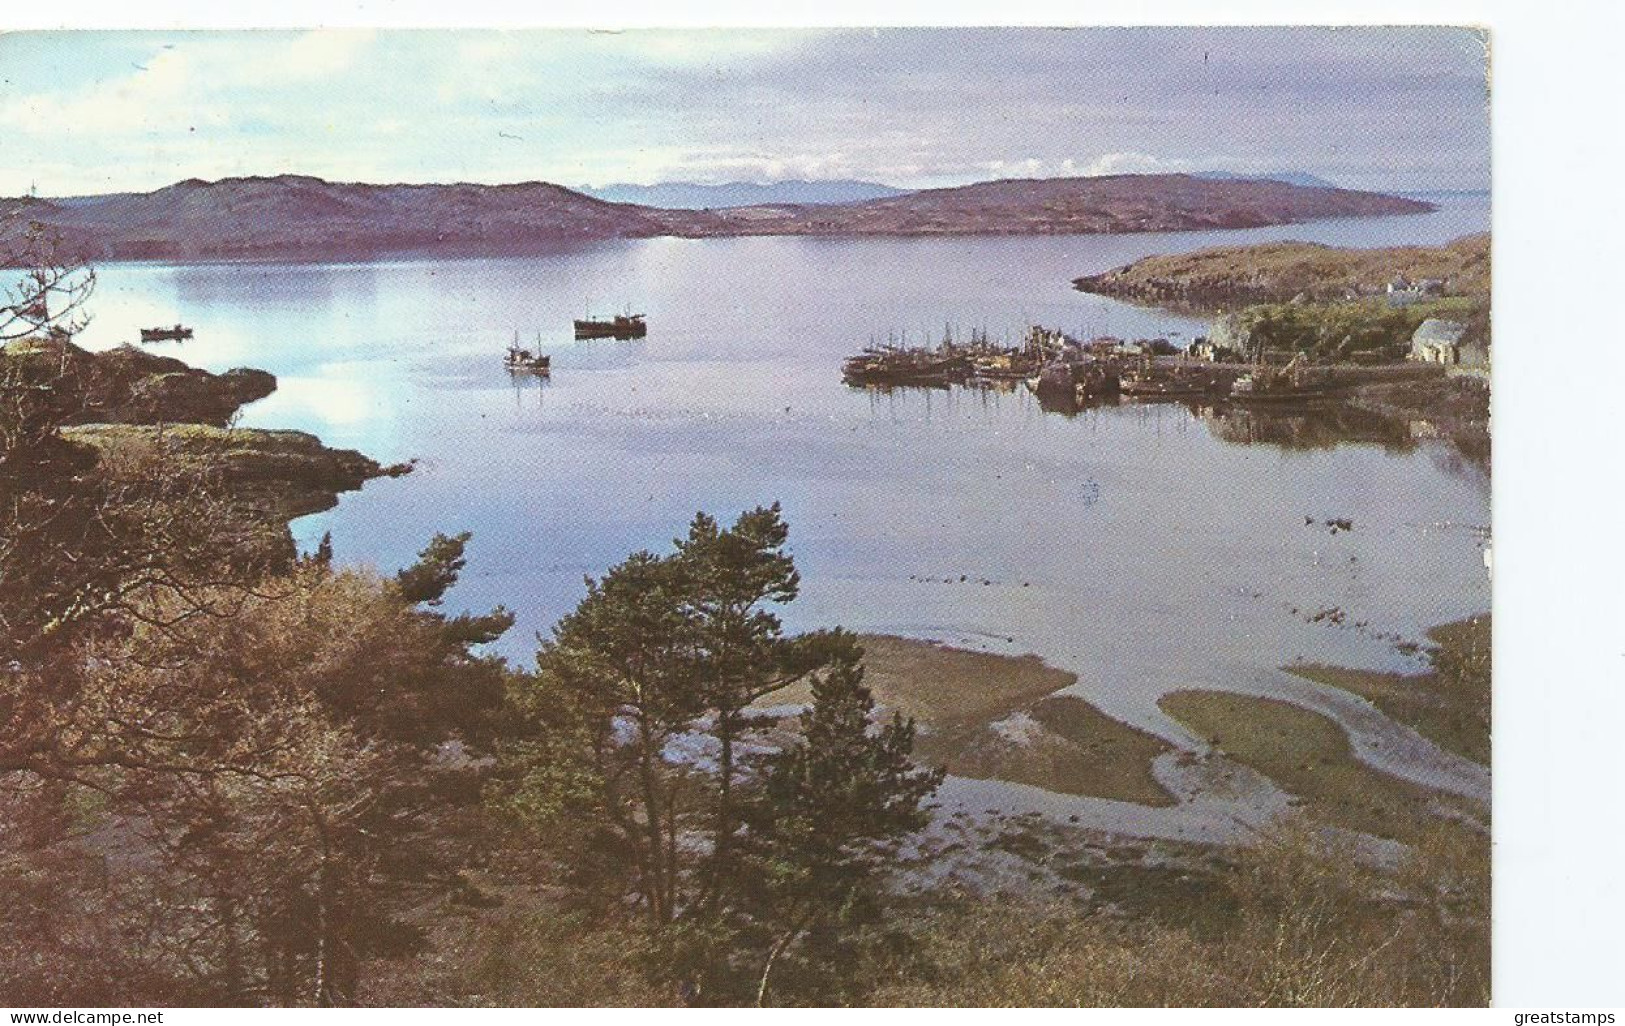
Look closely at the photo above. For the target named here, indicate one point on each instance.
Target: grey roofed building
(1438, 341)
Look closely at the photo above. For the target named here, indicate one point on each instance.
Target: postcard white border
(1560, 368)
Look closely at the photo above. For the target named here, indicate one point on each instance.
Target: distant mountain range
(296, 217)
(695, 196)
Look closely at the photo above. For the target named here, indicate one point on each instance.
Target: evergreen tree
(729, 578)
(628, 752)
(615, 686)
(832, 811)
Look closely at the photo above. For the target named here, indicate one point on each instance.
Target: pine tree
(729, 578)
(833, 810)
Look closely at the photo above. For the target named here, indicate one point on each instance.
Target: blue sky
(84, 112)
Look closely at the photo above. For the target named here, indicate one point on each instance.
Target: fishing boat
(621, 326)
(1290, 384)
(1057, 380)
(175, 334)
(1002, 365)
(523, 360)
(1251, 389)
(893, 366)
(1097, 381)
(1146, 386)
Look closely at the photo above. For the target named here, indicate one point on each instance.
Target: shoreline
(1213, 796)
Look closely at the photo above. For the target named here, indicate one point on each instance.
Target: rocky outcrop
(140, 411)
(128, 385)
(1282, 272)
(289, 472)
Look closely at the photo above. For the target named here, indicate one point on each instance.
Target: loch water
(1143, 547)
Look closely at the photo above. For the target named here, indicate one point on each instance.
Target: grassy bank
(997, 717)
(1309, 756)
(1295, 921)
(1449, 705)
(1366, 330)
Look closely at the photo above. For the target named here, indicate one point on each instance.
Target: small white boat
(524, 360)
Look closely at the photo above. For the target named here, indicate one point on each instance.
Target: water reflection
(1323, 426)
(1461, 450)
(529, 389)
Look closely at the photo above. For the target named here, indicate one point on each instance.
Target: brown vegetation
(1302, 924)
(1297, 921)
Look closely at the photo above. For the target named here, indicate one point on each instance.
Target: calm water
(1135, 546)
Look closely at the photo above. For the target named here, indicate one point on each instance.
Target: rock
(290, 471)
(128, 385)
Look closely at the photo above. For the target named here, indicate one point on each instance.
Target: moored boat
(1150, 387)
(175, 334)
(1249, 389)
(621, 326)
(1290, 384)
(895, 366)
(1098, 381)
(518, 359)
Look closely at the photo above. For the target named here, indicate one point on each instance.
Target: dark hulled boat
(621, 326)
(1175, 386)
(1250, 389)
(175, 334)
(906, 367)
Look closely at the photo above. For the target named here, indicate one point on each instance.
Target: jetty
(1068, 374)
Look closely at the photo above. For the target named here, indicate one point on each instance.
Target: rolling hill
(1278, 272)
(297, 217)
(1303, 178)
(695, 196)
(1058, 206)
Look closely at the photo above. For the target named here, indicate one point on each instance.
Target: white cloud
(755, 167)
(164, 87)
(186, 84)
(1134, 164)
(912, 109)
(316, 54)
(704, 48)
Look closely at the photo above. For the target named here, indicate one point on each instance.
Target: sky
(1376, 108)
